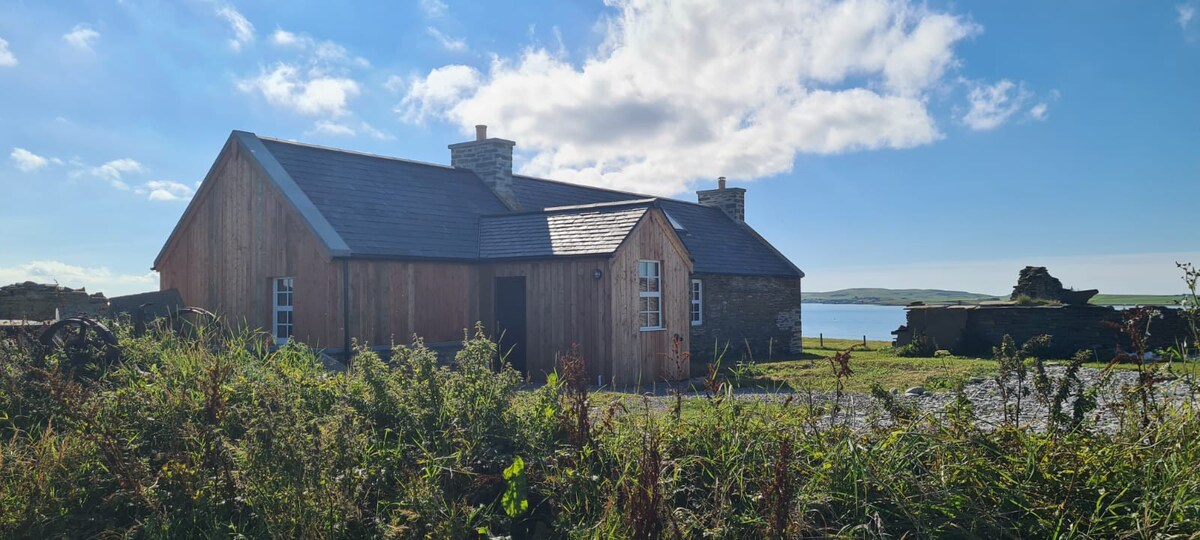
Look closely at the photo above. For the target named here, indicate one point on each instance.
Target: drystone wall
(39, 302)
(974, 330)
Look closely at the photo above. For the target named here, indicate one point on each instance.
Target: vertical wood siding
(565, 305)
(642, 357)
(390, 301)
(242, 234)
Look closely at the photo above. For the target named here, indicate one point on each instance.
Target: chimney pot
(480, 132)
(721, 182)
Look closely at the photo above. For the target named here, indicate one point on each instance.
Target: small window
(697, 303)
(650, 295)
(283, 325)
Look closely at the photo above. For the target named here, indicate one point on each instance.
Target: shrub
(921, 346)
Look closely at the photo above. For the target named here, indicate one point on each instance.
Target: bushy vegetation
(181, 438)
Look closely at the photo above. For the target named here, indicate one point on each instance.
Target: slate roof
(364, 205)
(391, 208)
(718, 244)
(571, 231)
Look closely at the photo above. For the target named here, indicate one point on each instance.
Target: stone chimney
(491, 159)
(730, 200)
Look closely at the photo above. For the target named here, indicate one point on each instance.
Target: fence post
(864, 341)
(822, 338)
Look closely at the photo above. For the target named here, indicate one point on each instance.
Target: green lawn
(874, 363)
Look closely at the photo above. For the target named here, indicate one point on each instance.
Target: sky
(882, 143)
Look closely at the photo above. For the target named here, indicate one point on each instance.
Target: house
(327, 246)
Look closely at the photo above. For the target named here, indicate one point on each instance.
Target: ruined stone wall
(759, 311)
(38, 302)
(1073, 328)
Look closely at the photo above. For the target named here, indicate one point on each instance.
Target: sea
(851, 321)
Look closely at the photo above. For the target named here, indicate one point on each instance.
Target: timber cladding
(239, 235)
(241, 231)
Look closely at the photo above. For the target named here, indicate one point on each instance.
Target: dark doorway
(510, 319)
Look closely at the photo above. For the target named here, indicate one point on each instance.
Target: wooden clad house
(327, 246)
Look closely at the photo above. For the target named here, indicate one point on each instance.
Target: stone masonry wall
(763, 312)
(38, 302)
(491, 159)
(1073, 328)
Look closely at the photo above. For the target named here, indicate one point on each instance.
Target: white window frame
(282, 301)
(657, 293)
(696, 295)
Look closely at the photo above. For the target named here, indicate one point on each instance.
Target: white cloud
(1187, 13)
(323, 52)
(7, 58)
(243, 30)
(27, 161)
(436, 93)
(338, 129)
(115, 171)
(1039, 111)
(993, 105)
(677, 92)
(395, 84)
(97, 279)
(434, 8)
(447, 42)
(308, 92)
(165, 190)
(82, 36)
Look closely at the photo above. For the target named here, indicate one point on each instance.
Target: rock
(975, 380)
(915, 391)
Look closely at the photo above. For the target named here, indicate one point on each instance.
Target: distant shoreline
(904, 297)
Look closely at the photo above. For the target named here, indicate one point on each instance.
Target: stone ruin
(42, 302)
(974, 329)
(1036, 283)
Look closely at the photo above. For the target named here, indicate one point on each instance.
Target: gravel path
(863, 410)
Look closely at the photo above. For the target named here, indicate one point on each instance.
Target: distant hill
(894, 297)
(903, 297)
(1136, 299)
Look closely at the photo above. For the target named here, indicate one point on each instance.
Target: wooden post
(822, 338)
(864, 341)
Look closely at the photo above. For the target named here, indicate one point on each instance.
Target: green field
(1137, 299)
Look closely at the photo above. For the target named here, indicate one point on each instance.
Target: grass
(874, 363)
(1137, 299)
(178, 438)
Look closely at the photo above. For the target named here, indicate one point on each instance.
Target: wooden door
(510, 319)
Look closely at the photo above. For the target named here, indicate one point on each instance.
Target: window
(282, 291)
(650, 294)
(697, 303)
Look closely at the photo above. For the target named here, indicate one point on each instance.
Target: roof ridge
(358, 153)
(589, 206)
(617, 191)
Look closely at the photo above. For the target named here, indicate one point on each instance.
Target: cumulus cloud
(678, 92)
(27, 161)
(307, 92)
(95, 279)
(82, 36)
(438, 92)
(165, 190)
(447, 42)
(243, 29)
(7, 58)
(116, 170)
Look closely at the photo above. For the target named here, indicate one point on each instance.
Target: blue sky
(882, 143)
